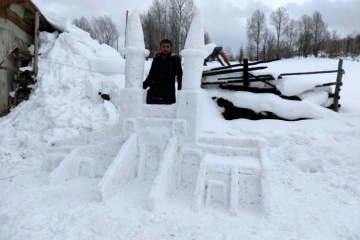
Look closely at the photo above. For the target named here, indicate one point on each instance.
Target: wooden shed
(20, 23)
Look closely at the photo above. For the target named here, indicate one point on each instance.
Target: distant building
(17, 34)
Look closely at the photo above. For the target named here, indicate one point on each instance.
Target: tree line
(167, 19)
(101, 29)
(287, 38)
(277, 36)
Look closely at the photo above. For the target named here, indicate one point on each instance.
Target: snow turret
(194, 54)
(135, 52)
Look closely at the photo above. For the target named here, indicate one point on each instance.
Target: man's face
(165, 48)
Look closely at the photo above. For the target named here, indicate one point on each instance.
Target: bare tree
(167, 19)
(155, 25)
(320, 33)
(105, 30)
(279, 20)
(84, 24)
(241, 55)
(291, 36)
(255, 29)
(251, 51)
(269, 45)
(181, 14)
(305, 34)
(334, 45)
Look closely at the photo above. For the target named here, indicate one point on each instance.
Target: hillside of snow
(313, 166)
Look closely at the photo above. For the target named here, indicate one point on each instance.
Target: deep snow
(312, 179)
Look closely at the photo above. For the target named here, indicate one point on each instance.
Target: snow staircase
(88, 154)
(148, 154)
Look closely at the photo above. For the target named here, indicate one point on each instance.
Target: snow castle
(159, 148)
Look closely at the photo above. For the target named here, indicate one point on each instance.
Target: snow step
(231, 141)
(88, 138)
(229, 151)
(160, 111)
(121, 169)
(165, 180)
(91, 160)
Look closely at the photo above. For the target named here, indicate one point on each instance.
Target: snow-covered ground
(312, 173)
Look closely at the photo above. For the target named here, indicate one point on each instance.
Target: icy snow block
(211, 196)
(66, 169)
(122, 168)
(131, 102)
(165, 180)
(134, 67)
(200, 187)
(85, 166)
(190, 110)
(188, 166)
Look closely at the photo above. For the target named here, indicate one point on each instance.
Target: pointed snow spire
(195, 37)
(134, 32)
(135, 52)
(194, 54)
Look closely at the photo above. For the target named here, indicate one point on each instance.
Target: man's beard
(167, 54)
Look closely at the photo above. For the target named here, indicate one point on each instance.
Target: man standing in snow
(165, 69)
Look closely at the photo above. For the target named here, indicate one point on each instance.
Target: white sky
(224, 20)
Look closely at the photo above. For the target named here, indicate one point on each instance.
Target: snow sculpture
(159, 148)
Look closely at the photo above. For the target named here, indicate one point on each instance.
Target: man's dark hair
(165, 41)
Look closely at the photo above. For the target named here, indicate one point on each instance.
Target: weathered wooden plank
(9, 14)
(307, 73)
(212, 73)
(339, 83)
(261, 78)
(8, 2)
(240, 80)
(242, 64)
(329, 84)
(36, 43)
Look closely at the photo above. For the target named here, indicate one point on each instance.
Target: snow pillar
(135, 52)
(132, 96)
(194, 54)
(189, 100)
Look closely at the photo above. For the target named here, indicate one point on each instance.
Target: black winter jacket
(161, 79)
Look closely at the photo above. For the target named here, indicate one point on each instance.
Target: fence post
(246, 73)
(36, 43)
(338, 85)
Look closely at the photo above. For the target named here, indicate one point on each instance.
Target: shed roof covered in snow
(22, 13)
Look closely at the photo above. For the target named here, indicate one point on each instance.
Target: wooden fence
(232, 83)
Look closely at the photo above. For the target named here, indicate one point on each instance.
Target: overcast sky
(224, 20)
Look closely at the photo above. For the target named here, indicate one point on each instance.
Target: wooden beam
(36, 43)
(19, 21)
(307, 73)
(8, 2)
(339, 83)
(2, 12)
